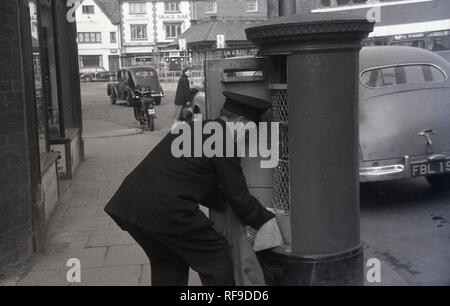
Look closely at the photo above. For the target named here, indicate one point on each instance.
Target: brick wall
(15, 207)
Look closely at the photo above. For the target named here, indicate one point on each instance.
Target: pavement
(81, 229)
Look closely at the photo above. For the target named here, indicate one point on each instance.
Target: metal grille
(281, 187)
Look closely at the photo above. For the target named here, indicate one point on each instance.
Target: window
(335, 3)
(171, 7)
(88, 9)
(172, 30)
(252, 6)
(89, 37)
(138, 31)
(113, 37)
(211, 7)
(91, 61)
(138, 8)
(402, 74)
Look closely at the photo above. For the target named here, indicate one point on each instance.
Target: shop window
(38, 84)
(171, 7)
(88, 9)
(138, 32)
(138, 8)
(91, 61)
(172, 30)
(89, 37)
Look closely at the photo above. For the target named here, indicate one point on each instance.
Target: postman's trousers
(205, 251)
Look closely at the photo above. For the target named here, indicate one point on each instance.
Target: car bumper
(401, 169)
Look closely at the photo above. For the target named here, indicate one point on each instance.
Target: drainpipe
(286, 7)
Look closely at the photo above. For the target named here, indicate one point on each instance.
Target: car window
(402, 74)
(145, 73)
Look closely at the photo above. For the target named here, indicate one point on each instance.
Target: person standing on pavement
(158, 203)
(183, 95)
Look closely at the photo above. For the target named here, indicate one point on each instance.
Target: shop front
(56, 102)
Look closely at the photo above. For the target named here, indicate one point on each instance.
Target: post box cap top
(304, 27)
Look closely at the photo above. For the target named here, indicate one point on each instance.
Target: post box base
(345, 269)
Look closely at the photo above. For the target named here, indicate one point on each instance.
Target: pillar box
(314, 89)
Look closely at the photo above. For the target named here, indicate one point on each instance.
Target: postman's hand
(268, 236)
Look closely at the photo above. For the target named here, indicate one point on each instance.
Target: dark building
(40, 120)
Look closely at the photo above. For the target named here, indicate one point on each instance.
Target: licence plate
(151, 111)
(430, 168)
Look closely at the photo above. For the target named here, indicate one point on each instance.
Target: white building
(148, 27)
(98, 34)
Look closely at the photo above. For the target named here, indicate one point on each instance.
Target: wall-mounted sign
(173, 17)
(220, 41)
(143, 59)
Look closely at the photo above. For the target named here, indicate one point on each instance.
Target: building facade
(417, 23)
(40, 120)
(98, 34)
(148, 28)
(218, 28)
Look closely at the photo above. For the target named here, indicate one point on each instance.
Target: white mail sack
(268, 236)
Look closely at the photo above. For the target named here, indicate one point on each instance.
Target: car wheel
(113, 100)
(88, 79)
(158, 101)
(440, 181)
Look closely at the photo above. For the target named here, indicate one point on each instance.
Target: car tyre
(113, 100)
(440, 181)
(88, 79)
(158, 101)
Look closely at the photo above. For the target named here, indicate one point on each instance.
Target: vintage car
(131, 79)
(404, 115)
(96, 74)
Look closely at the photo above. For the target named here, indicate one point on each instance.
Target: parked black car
(96, 74)
(131, 79)
(140, 88)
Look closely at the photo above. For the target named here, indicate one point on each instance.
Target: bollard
(316, 185)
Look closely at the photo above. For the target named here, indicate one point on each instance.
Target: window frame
(87, 11)
(169, 11)
(402, 65)
(111, 36)
(208, 3)
(248, 10)
(144, 26)
(89, 41)
(137, 4)
(169, 24)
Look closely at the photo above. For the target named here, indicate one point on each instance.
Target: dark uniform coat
(183, 93)
(163, 192)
